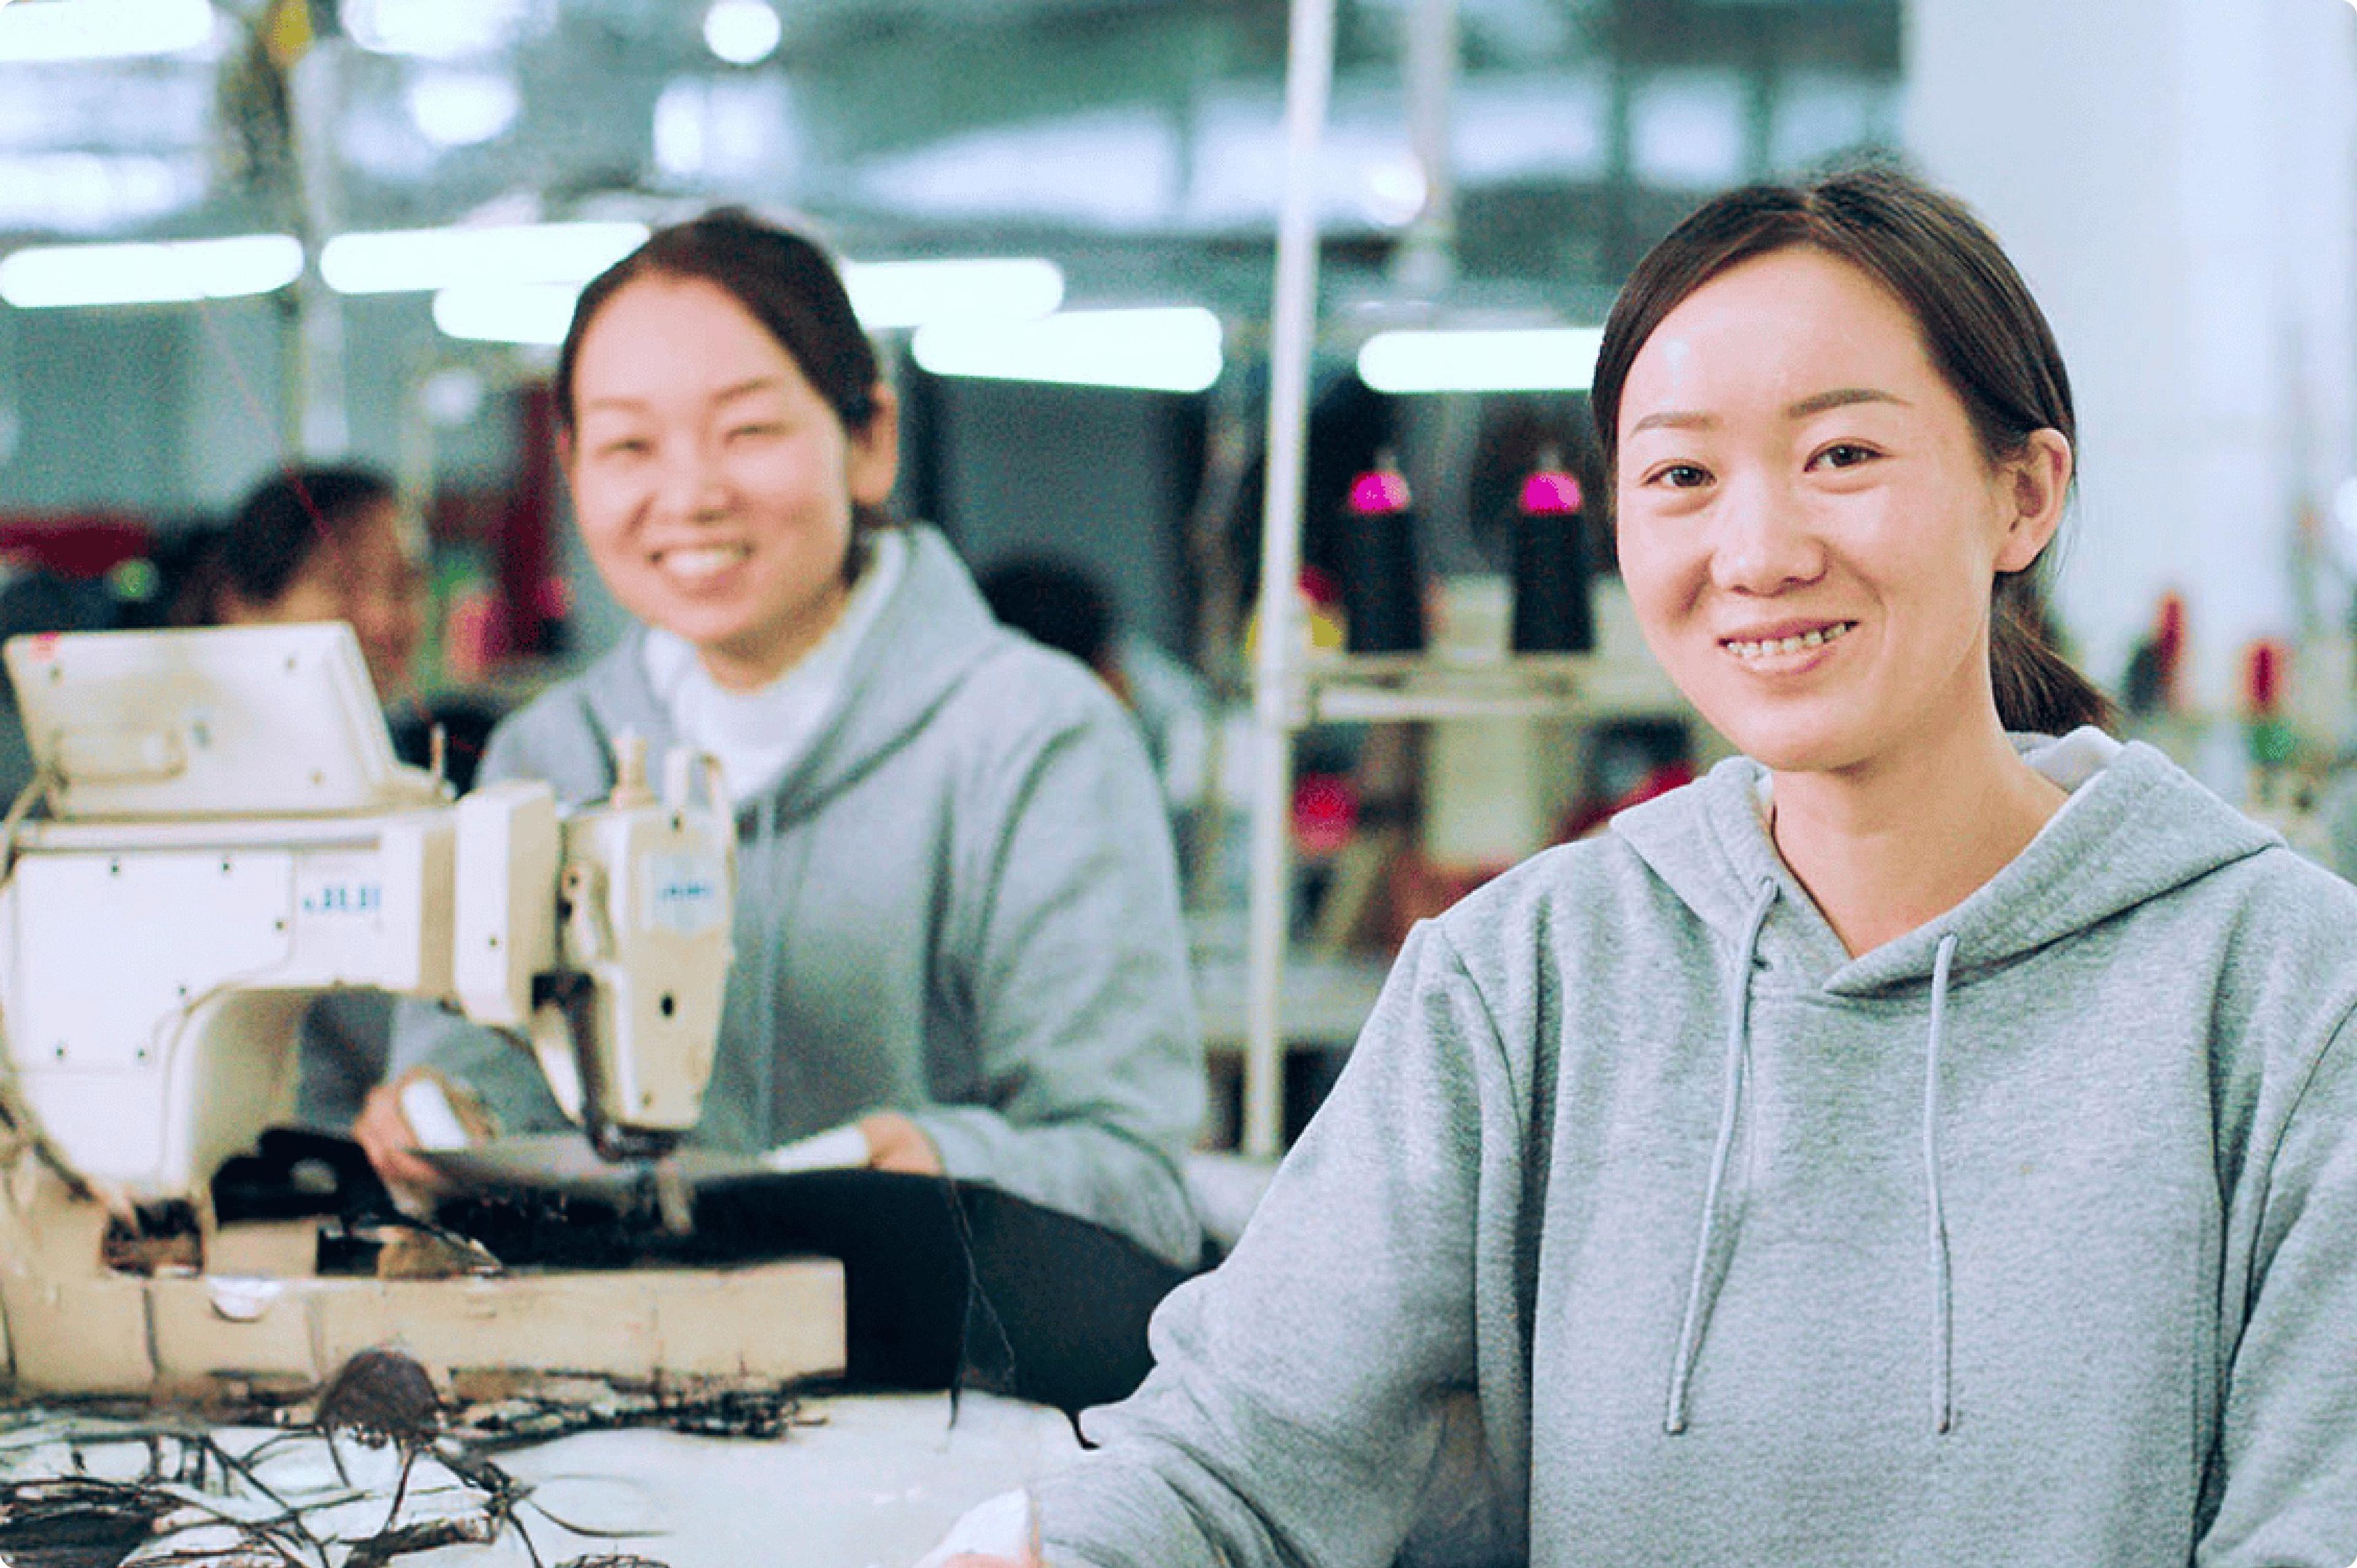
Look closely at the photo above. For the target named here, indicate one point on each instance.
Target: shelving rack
(1397, 688)
(1294, 687)
(1291, 687)
(1293, 692)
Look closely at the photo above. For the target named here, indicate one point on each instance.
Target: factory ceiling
(1142, 133)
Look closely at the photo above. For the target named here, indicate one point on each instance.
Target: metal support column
(1308, 80)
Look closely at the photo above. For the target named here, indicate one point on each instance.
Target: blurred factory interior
(389, 203)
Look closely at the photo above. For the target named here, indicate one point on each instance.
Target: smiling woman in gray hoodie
(957, 918)
(1912, 1143)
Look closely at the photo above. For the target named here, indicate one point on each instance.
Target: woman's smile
(693, 566)
(1787, 647)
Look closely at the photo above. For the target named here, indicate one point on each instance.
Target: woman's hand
(385, 1134)
(1007, 1528)
(894, 1144)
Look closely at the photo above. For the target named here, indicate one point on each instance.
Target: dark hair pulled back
(1982, 329)
(279, 525)
(786, 282)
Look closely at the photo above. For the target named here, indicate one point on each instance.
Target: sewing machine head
(228, 833)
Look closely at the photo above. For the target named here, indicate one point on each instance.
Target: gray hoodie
(961, 904)
(2028, 1237)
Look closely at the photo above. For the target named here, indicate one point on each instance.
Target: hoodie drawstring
(1738, 1034)
(1715, 1238)
(1943, 1409)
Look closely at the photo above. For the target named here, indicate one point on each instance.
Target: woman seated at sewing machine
(1912, 1143)
(957, 924)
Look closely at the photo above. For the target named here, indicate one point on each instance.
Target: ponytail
(2037, 689)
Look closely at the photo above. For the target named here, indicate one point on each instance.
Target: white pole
(1426, 259)
(322, 421)
(1308, 77)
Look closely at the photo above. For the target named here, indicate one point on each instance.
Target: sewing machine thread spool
(1382, 592)
(1553, 579)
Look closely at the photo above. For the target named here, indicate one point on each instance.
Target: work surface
(865, 1481)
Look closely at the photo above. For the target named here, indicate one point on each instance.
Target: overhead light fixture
(742, 32)
(461, 108)
(1175, 348)
(453, 396)
(103, 29)
(408, 260)
(1396, 191)
(912, 294)
(534, 313)
(95, 193)
(438, 30)
(1555, 359)
(163, 273)
(884, 294)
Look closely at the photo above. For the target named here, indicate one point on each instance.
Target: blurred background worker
(320, 544)
(329, 544)
(1064, 606)
(336, 542)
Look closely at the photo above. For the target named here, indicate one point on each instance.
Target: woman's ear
(2035, 485)
(875, 452)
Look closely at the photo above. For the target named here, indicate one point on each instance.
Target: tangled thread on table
(195, 1502)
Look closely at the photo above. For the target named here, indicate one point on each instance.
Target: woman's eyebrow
(1674, 419)
(1841, 397)
(746, 388)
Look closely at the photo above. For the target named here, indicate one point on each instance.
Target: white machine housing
(230, 836)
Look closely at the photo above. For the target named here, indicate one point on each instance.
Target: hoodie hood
(937, 628)
(2137, 827)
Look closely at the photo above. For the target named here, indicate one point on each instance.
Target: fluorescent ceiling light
(1559, 359)
(94, 193)
(885, 294)
(912, 293)
(404, 261)
(506, 313)
(1172, 349)
(103, 29)
(149, 274)
(742, 32)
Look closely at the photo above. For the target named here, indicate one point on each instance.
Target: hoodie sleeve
(2284, 1487)
(1063, 946)
(1329, 1384)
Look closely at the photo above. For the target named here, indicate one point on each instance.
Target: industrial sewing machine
(228, 835)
